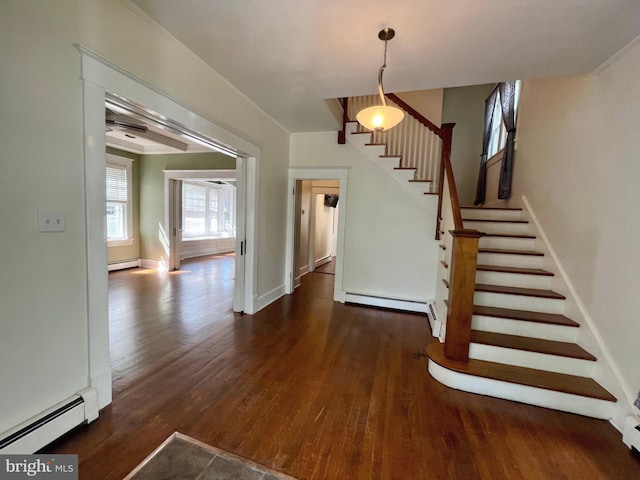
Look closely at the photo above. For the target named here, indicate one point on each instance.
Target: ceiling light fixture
(381, 117)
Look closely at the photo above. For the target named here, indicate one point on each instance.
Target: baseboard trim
(146, 263)
(620, 384)
(124, 264)
(382, 302)
(271, 296)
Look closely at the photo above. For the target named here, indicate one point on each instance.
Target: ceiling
(131, 132)
(289, 55)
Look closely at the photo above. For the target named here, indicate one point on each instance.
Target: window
(208, 209)
(498, 138)
(119, 216)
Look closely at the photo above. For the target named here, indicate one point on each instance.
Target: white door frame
(316, 173)
(99, 77)
(238, 175)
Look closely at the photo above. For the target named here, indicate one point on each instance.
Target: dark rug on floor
(184, 458)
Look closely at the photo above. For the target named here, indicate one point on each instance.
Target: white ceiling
(155, 141)
(289, 55)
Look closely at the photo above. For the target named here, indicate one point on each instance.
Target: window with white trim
(498, 138)
(119, 209)
(208, 209)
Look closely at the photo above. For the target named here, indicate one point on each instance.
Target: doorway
(330, 182)
(316, 226)
(104, 80)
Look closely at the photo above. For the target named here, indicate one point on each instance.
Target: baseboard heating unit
(631, 433)
(35, 433)
(382, 302)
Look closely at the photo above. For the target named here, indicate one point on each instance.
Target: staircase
(392, 164)
(522, 347)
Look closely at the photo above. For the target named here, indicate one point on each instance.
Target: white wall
(426, 102)
(323, 231)
(389, 249)
(464, 106)
(43, 286)
(578, 163)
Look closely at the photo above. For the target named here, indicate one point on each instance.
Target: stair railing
(426, 147)
(458, 268)
(417, 140)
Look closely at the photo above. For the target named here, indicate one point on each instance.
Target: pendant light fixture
(381, 117)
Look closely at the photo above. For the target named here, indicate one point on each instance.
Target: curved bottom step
(557, 391)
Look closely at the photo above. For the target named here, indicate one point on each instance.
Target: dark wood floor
(315, 389)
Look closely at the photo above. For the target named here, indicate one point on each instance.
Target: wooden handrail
(415, 114)
(445, 166)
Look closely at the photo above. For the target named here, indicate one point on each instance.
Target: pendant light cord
(384, 65)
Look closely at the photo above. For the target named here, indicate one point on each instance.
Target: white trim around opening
(317, 173)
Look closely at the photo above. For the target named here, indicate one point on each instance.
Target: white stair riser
(545, 331)
(522, 393)
(519, 302)
(514, 279)
(502, 259)
(421, 186)
(405, 175)
(498, 227)
(388, 163)
(507, 243)
(360, 140)
(351, 127)
(376, 151)
(488, 214)
(539, 361)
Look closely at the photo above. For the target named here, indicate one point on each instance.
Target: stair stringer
(605, 371)
(390, 165)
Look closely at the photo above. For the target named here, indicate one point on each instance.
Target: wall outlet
(637, 402)
(51, 222)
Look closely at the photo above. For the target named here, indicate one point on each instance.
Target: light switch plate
(51, 222)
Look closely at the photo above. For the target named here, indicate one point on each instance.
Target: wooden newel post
(462, 281)
(446, 134)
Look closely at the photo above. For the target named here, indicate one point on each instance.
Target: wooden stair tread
(361, 133)
(529, 292)
(493, 221)
(473, 207)
(524, 271)
(559, 382)
(508, 235)
(528, 344)
(510, 252)
(525, 315)
(405, 168)
(390, 156)
(421, 180)
(375, 144)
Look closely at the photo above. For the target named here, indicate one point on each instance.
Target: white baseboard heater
(39, 431)
(382, 302)
(631, 433)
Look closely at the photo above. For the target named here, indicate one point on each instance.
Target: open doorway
(316, 237)
(316, 226)
(102, 81)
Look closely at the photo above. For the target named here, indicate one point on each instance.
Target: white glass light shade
(380, 117)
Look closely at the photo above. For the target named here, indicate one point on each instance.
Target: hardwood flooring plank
(313, 388)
